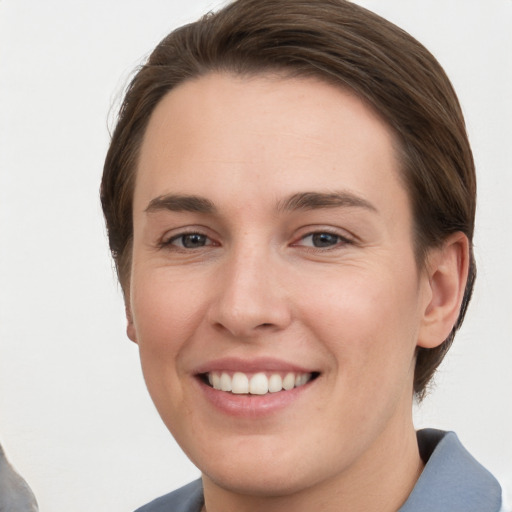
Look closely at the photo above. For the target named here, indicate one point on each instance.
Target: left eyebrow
(316, 200)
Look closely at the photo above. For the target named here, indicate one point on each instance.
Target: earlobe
(447, 269)
(130, 326)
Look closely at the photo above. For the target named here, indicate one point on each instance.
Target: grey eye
(191, 240)
(324, 239)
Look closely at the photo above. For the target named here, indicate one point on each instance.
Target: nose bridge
(250, 297)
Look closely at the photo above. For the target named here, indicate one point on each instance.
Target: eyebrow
(299, 201)
(181, 203)
(317, 200)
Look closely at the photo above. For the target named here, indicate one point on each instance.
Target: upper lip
(258, 364)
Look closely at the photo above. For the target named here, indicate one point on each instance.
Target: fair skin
(273, 235)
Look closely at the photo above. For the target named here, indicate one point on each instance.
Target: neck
(380, 481)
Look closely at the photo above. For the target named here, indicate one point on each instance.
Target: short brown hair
(347, 45)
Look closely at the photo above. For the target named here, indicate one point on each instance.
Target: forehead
(284, 135)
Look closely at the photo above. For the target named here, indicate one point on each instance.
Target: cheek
(165, 311)
(368, 321)
(165, 318)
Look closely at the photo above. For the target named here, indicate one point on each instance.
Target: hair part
(346, 45)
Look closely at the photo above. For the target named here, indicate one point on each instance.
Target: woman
(290, 197)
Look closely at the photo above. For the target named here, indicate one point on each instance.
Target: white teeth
(225, 382)
(302, 379)
(239, 383)
(214, 380)
(275, 383)
(257, 384)
(289, 381)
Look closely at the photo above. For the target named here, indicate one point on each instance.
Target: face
(273, 256)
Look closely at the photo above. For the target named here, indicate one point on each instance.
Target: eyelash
(341, 240)
(181, 236)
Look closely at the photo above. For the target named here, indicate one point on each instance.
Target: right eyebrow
(181, 203)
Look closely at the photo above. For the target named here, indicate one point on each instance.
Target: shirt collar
(452, 479)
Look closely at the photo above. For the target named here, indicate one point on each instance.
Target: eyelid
(170, 236)
(344, 238)
(183, 235)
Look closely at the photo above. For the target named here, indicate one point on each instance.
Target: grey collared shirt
(452, 480)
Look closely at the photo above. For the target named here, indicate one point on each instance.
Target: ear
(447, 272)
(130, 326)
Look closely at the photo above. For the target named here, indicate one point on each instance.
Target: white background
(75, 417)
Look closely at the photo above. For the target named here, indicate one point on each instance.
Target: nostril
(266, 326)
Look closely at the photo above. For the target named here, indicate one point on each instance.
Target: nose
(250, 299)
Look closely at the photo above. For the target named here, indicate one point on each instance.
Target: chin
(266, 470)
(257, 481)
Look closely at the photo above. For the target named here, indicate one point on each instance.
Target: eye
(323, 240)
(189, 241)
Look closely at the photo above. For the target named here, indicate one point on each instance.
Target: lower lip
(252, 406)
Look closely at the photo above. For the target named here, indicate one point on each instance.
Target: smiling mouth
(260, 383)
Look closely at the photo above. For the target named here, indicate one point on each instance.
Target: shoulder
(452, 480)
(185, 499)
